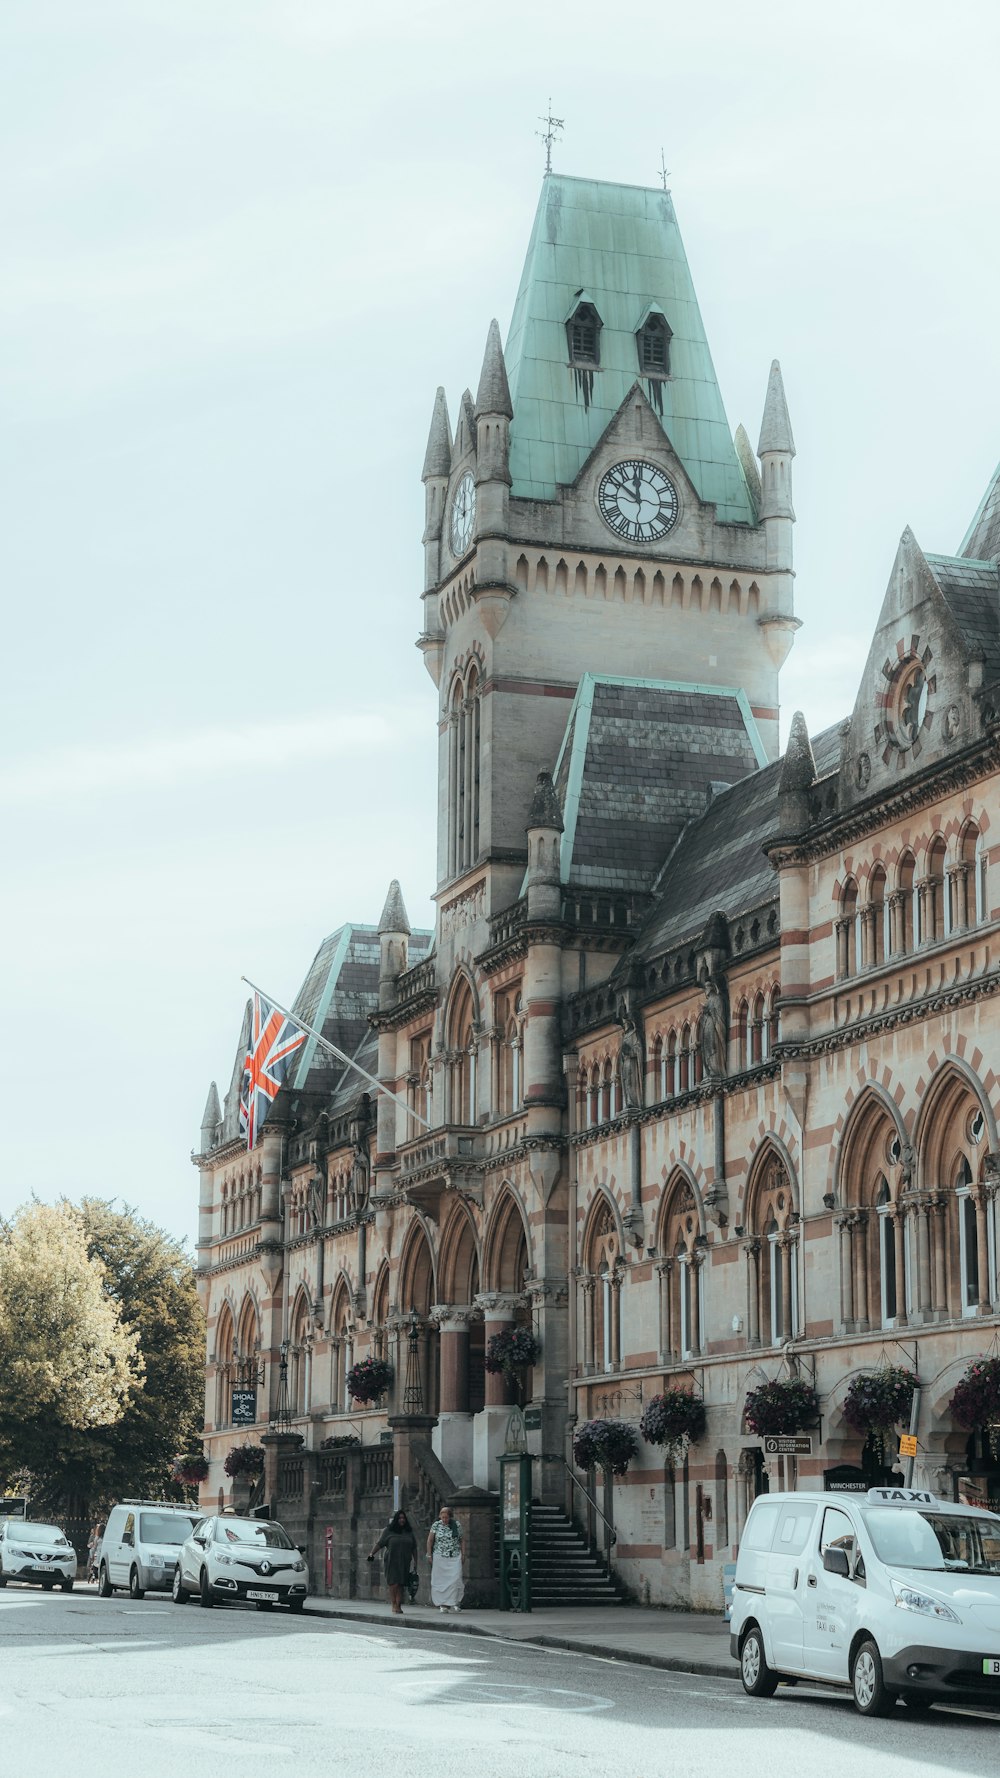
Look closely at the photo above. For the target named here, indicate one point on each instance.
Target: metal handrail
(588, 1496)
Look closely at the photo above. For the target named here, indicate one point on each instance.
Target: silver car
(226, 1558)
(39, 1554)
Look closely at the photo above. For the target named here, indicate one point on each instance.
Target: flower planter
(878, 1401)
(976, 1400)
(368, 1381)
(674, 1420)
(787, 1405)
(605, 1444)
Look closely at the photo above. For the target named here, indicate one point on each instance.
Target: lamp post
(413, 1390)
(282, 1421)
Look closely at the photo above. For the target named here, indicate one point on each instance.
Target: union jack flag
(274, 1039)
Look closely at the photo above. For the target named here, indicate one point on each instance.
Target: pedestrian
(444, 1546)
(94, 1550)
(400, 1546)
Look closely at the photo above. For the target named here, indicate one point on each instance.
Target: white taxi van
(894, 1594)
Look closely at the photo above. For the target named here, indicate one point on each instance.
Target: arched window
(743, 1034)
(685, 1060)
(594, 1097)
(969, 880)
(876, 918)
(982, 904)
(607, 1090)
(681, 1274)
(464, 719)
(583, 335)
(602, 1291)
(758, 1031)
(771, 1248)
(653, 346)
(341, 1349)
(906, 914)
(773, 1020)
(300, 1358)
(888, 1284)
(462, 1052)
(225, 1345)
(935, 923)
(670, 1090)
(847, 930)
(507, 1051)
(657, 1072)
(417, 1082)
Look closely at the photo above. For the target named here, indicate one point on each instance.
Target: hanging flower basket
(605, 1444)
(511, 1350)
(368, 1380)
(878, 1401)
(190, 1469)
(786, 1405)
(675, 1419)
(976, 1401)
(244, 1460)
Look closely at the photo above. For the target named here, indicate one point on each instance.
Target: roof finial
(553, 127)
(664, 170)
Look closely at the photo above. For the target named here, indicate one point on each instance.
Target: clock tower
(593, 515)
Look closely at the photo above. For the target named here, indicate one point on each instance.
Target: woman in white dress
(444, 1546)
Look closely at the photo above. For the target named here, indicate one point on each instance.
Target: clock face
(463, 514)
(637, 501)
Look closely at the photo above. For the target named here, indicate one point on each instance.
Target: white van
(893, 1593)
(140, 1545)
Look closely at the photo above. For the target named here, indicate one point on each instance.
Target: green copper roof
(620, 245)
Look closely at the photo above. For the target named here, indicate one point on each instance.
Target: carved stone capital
(453, 1317)
(499, 1305)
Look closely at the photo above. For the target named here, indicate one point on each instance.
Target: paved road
(93, 1688)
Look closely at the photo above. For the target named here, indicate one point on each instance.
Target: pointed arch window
(653, 345)
(670, 1088)
(877, 918)
(938, 921)
(463, 1056)
(464, 748)
(907, 935)
(583, 335)
(888, 1280)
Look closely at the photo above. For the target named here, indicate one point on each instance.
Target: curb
(569, 1645)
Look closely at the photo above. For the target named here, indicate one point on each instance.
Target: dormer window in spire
(583, 333)
(653, 345)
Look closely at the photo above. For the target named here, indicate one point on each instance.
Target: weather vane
(664, 169)
(553, 125)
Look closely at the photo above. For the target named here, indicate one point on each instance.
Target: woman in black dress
(400, 1546)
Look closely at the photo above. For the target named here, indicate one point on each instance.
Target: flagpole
(334, 1051)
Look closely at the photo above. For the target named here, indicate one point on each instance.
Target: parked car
(227, 1558)
(140, 1544)
(893, 1594)
(40, 1554)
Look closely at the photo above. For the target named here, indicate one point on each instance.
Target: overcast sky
(243, 242)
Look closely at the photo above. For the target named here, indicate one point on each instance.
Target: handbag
(412, 1584)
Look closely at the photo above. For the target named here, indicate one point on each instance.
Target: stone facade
(699, 1060)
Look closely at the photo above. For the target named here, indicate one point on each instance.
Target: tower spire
(554, 127)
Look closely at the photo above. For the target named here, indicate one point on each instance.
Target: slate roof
(972, 590)
(982, 540)
(635, 766)
(621, 246)
(720, 862)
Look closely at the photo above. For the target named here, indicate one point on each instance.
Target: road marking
(467, 1689)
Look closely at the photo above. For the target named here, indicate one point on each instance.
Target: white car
(227, 1558)
(892, 1594)
(39, 1554)
(140, 1544)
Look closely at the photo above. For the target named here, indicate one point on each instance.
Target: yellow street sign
(907, 1444)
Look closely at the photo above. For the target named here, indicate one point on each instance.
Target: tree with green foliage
(149, 1286)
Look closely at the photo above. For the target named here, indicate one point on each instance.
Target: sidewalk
(678, 1641)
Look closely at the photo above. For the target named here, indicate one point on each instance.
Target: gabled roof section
(720, 862)
(339, 992)
(621, 247)
(982, 539)
(637, 762)
(972, 590)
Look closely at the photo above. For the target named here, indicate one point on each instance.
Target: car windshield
(30, 1533)
(939, 1541)
(170, 1528)
(261, 1531)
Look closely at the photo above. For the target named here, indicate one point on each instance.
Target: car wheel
(48, 1584)
(264, 1605)
(135, 1591)
(205, 1591)
(178, 1592)
(871, 1695)
(104, 1587)
(917, 1703)
(297, 1605)
(67, 1584)
(759, 1680)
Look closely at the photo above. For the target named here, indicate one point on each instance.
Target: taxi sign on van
(901, 1497)
(907, 1444)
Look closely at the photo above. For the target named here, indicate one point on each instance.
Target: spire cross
(553, 126)
(664, 169)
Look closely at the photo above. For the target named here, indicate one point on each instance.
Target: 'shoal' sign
(797, 1444)
(244, 1407)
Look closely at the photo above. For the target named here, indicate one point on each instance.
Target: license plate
(992, 1668)
(257, 1593)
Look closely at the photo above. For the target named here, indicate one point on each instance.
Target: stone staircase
(563, 1570)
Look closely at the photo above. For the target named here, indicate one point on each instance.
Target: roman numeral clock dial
(637, 501)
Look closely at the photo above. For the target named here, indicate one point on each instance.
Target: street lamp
(413, 1392)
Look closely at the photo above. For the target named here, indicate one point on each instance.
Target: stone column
(451, 1439)
(846, 1273)
(589, 1288)
(752, 1250)
(899, 1239)
(616, 1319)
(897, 922)
(842, 928)
(925, 905)
(958, 889)
(867, 925)
(499, 1311)
(694, 1287)
(860, 1232)
(939, 1249)
(785, 1243)
(980, 1199)
(923, 1212)
(664, 1273)
(489, 1427)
